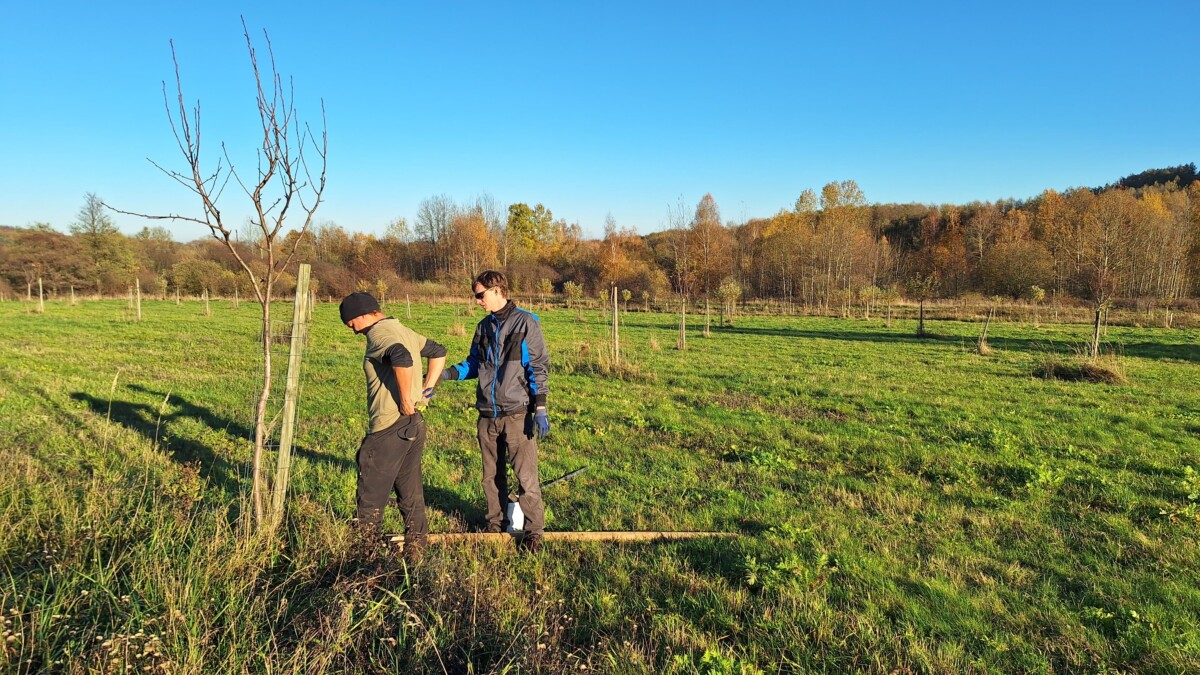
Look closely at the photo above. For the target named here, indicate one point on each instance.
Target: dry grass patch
(1103, 370)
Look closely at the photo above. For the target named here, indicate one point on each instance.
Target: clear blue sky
(598, 107)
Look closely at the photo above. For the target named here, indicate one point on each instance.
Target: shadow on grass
(156, 426)
(451, 502)
(1142, 349)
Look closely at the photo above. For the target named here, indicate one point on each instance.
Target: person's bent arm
(436, 354)
(403, 377)
(402, 365)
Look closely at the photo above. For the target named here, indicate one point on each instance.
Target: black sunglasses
(480, 294)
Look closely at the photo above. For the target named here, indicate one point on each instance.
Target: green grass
(905, 504)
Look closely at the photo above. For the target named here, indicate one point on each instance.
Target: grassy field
(904, 504)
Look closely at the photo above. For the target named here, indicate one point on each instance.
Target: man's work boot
(414, 549)
(531, 543)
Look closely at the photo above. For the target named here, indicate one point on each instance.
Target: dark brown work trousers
(510, 440)
(391, 459)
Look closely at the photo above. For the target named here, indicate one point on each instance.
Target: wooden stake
(138, 283)
(291, 393)
(41, 298)
(570, 536)
(681, 343)
(616, 329)
(207, 308)
(72, 295)
(407, 307)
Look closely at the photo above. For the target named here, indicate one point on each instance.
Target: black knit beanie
(357, 304)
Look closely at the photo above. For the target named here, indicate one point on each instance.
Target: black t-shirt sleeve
(398, 356)
(432, 350)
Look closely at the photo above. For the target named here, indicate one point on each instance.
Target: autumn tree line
(1138, 238)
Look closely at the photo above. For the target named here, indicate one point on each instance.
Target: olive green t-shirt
(383, 392)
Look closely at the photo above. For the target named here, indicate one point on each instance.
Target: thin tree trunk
(260, 414)
(1094, 348)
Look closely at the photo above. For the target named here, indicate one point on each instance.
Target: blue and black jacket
(508, 355)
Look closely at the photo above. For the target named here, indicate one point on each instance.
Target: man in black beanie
(390, 455)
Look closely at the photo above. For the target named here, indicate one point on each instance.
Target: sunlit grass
(904, 503)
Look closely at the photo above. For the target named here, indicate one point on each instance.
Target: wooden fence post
(41, 298)
(138, 283)
(616, 329)
(681, 343)
(300, 314)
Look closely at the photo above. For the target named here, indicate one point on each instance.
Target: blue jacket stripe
(533, 388)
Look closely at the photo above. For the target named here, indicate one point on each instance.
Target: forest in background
(1137, 238)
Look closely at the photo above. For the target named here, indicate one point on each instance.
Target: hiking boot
(531, 543)
(414, 549)
(493, 528)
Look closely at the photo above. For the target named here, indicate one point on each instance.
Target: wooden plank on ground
(567, 536)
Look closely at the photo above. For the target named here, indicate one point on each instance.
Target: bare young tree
(287, 186)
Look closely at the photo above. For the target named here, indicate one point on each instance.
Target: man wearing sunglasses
(508, 356)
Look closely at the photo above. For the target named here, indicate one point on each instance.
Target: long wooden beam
(567, 536)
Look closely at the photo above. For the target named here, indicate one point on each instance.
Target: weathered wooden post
(681, 343)
(72, 295)
(300, 312)
(138, 285)
(236, 300)
(707, 318)
(616, 329)
(176, 295)
(207, 308)
(407, 307)
(41, 298)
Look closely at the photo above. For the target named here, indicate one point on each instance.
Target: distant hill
(1182, 175)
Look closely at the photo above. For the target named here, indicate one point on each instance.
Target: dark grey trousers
(510, 440)
(391, 460)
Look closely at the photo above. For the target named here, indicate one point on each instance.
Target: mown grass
(905, 504)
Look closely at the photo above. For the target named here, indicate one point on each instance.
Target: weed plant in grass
(904, 504)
